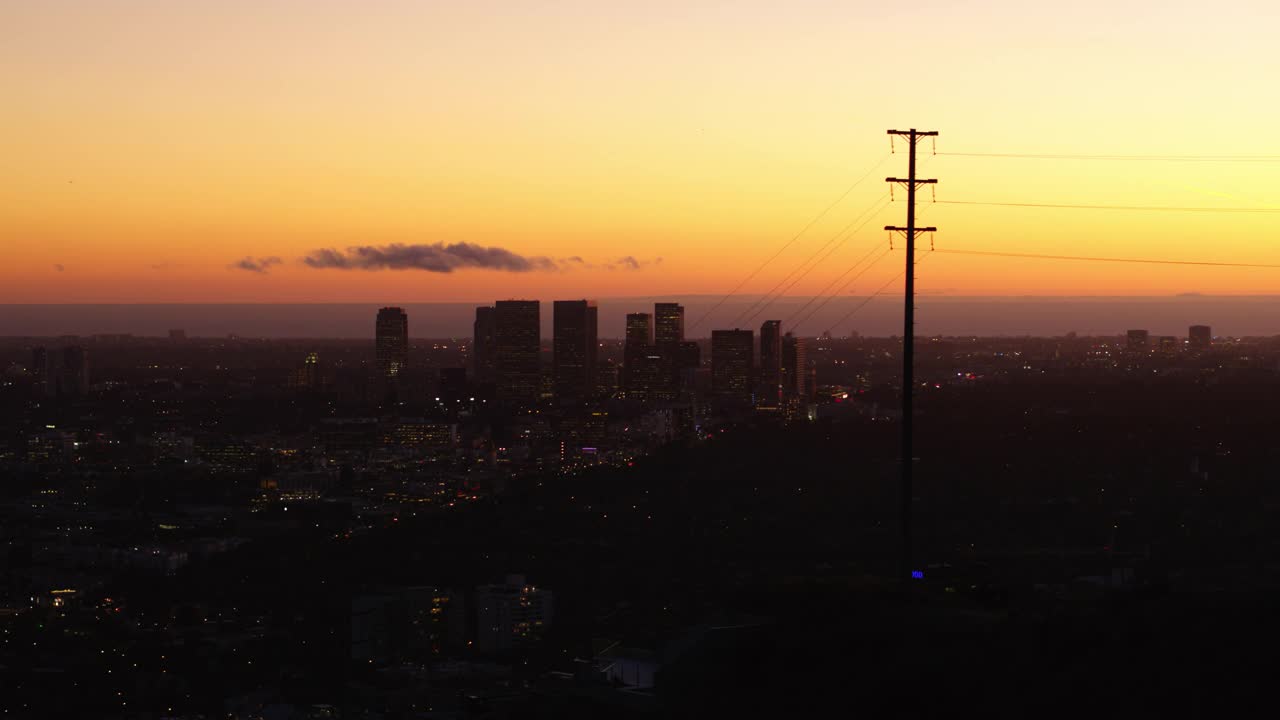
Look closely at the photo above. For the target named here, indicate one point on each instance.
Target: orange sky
(147, 146)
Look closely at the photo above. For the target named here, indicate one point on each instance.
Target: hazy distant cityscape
(393, 526)
(1009, 316)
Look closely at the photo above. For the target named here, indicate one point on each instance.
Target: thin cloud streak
(255, 265)
(627, 262)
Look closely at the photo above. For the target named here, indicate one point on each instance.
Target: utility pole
(908, 333)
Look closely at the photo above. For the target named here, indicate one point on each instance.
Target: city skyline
(880, 316)
(672, 359)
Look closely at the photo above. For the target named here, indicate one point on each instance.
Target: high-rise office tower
(771, 362)
(484, 345)
(795, 367)
(574, 348)
(650, 375)
(517, 334)
(391, 341)
(639, 329)
(731, 363)
(75, 370)
(608, 378)
(688, 359)
(1199, 337)
(638, 345)
(679, 357)
(307, 375)
(668, 323)
(39, 363)
(64, 373)
(1137, 340)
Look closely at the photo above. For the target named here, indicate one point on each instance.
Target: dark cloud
(59, 267)
(436, 257)
(256, 265)
(628, 262)
(631, 263)
(446, 258)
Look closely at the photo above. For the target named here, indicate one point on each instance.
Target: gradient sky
(149, 146)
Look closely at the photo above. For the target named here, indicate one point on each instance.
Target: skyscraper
(307, 375)
(638, 345)
(688, 358)
(76, 362)
(39, 363)
(639, 329)
(76, 367)
(650, 373)
(731, 361)
(484, 345)
(1199, 337)
(391, 341)
(669, 323)
(771, 362)
(574, 348)
(64, 373)
(678, 357)
(795, 367)
(517, 333)
(1137, 340)
(75, 370)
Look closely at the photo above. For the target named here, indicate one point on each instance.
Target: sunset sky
(150, 148)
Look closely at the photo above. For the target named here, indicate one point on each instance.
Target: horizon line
(626, 298)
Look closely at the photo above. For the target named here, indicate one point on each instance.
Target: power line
(773, 295)
(1148, 261)
(829, 297)
(1156, 208)
(918, 213)
(799, 311)
(866, 300)
(1154, 158)
(877, 293)
(741, 317)
(790, 242)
